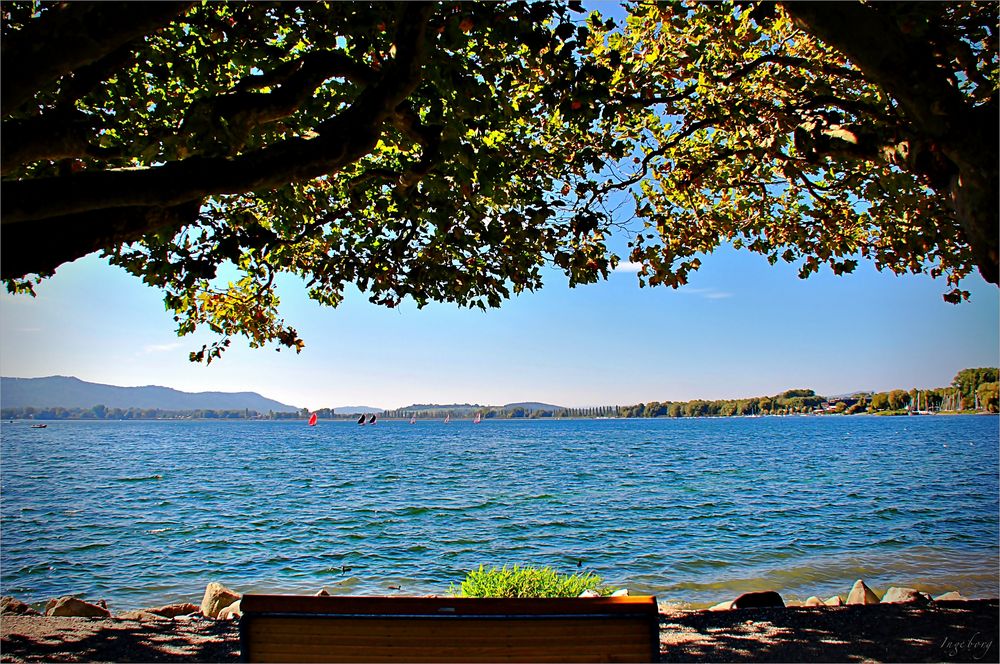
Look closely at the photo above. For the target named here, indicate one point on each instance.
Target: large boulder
(862, 594)
(623, 592)
(217, 597)
(896, 595)
(952, 596)
(722, 606)
(15, 606)
(815, 601)
(836, 600)
(74, 607)
(760, 600)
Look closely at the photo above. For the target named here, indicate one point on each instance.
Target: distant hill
(69, 392)
(356, 410)
(452, 407)
(469, 408)
(532, 405)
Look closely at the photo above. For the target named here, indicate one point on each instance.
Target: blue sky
(740, 328)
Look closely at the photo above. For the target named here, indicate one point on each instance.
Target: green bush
(527, 582)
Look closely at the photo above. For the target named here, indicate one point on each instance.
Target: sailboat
(371, 420)
(361, 420)
(413, 419)
(478, 419)
(447, 418)
(312, 420)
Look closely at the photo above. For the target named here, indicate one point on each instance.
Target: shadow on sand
(82, 640)
(965, 631)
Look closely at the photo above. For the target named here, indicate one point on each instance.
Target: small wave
(145, 478)
(412, 511)
(91, 546)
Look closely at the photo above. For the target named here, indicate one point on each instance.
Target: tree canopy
(450, 151)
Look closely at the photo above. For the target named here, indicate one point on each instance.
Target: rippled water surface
(693, 510)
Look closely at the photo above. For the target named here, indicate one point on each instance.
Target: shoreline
(943, 631)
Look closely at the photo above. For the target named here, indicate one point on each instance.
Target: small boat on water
(413, 419)
(39, 426)
(478, 419)
(312, 419)
(361, 420)
(371, 420)
(447, 418)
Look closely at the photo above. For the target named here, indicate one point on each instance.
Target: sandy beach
(962, 631)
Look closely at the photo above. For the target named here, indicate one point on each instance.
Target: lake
(695, 511)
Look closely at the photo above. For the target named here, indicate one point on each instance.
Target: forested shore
(971, 391)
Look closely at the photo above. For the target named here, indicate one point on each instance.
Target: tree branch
(32, 209)
(939, 113)
(70, 35)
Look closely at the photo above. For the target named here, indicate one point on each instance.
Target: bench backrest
(295, 628)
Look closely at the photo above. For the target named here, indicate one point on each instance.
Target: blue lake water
(693, 510)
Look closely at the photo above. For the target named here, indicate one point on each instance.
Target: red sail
(312, 420)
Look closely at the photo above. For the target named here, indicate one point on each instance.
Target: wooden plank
(288, 627)
(466, 652)
(413, 629)
(252, 603)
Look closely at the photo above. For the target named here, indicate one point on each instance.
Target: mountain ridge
(72, 392)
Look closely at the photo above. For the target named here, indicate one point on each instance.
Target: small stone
(814, 601)
(141, 616)
(896, 595)
(322, 593)
(761, 600)
(217, 597)
(953, 596)
(231, 611)
(74, 607)
(11, 605)
(836, 600)
(862, 594)
(174, 610)
(620, 593)
(589, 593)
(722, 606)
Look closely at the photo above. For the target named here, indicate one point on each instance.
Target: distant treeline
(100, 412)
(486, 412)
(972, 390)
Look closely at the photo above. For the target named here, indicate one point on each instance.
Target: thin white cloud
(707, 293)
(161, 348)
(628, 267)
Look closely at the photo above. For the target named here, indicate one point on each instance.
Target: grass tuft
(526, 582)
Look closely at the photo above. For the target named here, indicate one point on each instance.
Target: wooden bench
(295, 628)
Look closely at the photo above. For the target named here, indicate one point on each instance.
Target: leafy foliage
(448, 151)
(526, 582)
(399, 147)
(750, 130)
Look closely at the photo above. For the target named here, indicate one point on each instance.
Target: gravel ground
(946, 631)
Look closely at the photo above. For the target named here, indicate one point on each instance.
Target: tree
(810, 132)
(988, 396)
(898, 399)
(967, 382)
(880, 401)
(402, 147)
(448, 151)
